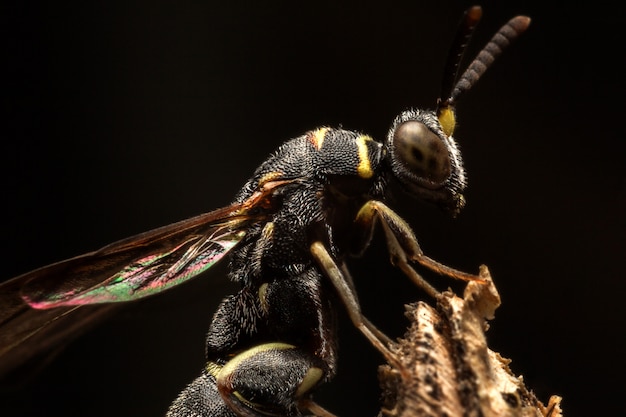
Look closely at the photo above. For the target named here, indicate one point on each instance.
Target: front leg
(402, 244)
(343, 285)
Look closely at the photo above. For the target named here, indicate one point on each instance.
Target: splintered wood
(446, 369)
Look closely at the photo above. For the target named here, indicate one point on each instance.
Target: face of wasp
(425, 161)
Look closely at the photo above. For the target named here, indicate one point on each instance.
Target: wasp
(312, 204)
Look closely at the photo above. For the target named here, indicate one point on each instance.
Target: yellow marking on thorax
(364, 169)
(262, 297)
(270, 176)
(266, 237)
(213, 369)
(317, 137)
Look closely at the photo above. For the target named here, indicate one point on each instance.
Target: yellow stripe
(317, 137)
(447, 120)
(312, 377)
(364, 169)
(262, 294)
(232, 364)
(213, 369)
(270, 176)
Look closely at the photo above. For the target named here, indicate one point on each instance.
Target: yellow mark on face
(447, 119)
(270, 176)
(364, 169)
(317, 137)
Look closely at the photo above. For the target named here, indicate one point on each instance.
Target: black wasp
(312, 203)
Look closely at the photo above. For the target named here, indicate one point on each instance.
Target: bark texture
(444, 367)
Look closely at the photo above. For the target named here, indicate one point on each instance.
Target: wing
(136, 267)
(42, 308)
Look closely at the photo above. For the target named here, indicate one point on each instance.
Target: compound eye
(422, 152)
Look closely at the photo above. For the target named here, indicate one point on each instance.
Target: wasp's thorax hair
(425, 160)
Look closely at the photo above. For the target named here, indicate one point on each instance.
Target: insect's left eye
(422, 153)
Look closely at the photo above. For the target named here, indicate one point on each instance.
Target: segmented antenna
(498, 43)
(457, 51)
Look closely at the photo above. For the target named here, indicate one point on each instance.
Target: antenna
(452, 89)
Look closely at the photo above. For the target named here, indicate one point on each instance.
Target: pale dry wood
(445, 368)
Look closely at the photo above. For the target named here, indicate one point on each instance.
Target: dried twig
(446, 368)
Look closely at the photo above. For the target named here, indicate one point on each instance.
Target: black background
(122, 117)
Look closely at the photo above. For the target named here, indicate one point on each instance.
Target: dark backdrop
(120, 118)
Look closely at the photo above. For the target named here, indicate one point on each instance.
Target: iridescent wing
(49, 304)
(136, 267)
